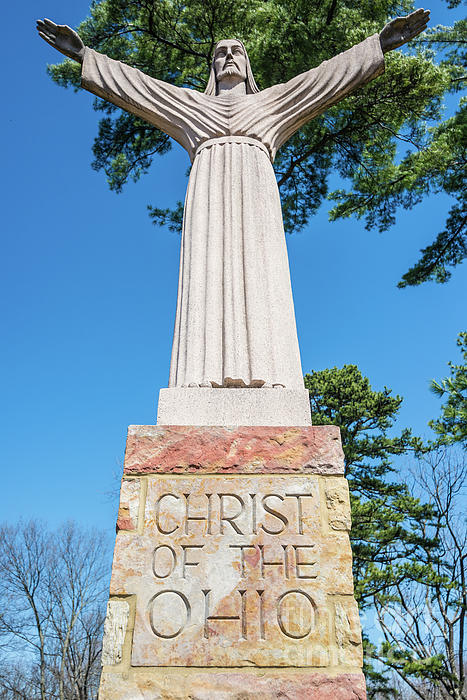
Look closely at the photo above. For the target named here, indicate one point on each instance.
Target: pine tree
(385, 538)
(452, 426)
(388, 141)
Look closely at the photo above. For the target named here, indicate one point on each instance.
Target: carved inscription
(234, 511)
(231, 573)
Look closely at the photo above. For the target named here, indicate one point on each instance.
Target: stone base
(245, 684)
(232, 571)
(203, 406)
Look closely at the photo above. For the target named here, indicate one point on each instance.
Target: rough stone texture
(127, 518)
(234, 559)
(222, 450)
(116, 622)
(233, 407)
(235, 685)
(338, 504)
(347, 631)
(176, 559)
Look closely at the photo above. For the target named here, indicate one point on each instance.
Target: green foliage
(172, 218)
(432, 595)
(125, 147)
(452, 426)
(382, 507)
(441, 166)
(385, 541)
(360, 139)
(423, 616)
(409, 665)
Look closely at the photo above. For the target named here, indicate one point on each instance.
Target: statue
(235, 321)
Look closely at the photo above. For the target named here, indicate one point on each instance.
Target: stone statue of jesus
(235, 321)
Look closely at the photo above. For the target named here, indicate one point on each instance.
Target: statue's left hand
(403, 29)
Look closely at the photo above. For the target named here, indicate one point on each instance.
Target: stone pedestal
(232, 574)
(252, 407)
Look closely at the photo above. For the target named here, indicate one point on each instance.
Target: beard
(229, 72)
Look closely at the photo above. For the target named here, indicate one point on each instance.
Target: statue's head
(230, 63)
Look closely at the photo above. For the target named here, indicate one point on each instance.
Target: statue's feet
(254, 384)
(230, 383)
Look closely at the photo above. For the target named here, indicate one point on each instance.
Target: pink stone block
(220, 450)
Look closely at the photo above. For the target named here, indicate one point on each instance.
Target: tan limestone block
(128, 511)
(223, 450)
(232, 571)
(129, 562)
(236, 684)
(336, 564)
(338, 503)
(347, 630)
(116, 623)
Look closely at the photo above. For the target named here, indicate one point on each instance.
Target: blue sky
(90, 291)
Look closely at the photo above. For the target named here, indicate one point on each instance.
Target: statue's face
(230, 62)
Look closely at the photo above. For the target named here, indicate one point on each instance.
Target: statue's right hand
(62, 38)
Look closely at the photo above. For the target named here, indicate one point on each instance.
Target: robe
(235, 321)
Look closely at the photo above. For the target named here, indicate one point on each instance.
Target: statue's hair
(251, 87)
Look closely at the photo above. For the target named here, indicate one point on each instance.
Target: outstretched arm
(163, 105)
(402, 29)
(293, 104)
(62, 38)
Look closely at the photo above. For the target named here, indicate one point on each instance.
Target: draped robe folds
(235, 321)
